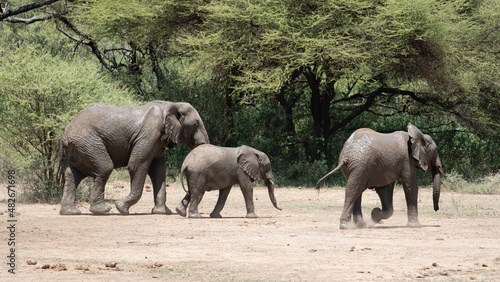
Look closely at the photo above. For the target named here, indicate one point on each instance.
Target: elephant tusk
(272, 182)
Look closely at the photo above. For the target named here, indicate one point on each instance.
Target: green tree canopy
(293, 77)
(39, 95)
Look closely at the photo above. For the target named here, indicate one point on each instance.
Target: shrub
(457, 183)
(39, 95)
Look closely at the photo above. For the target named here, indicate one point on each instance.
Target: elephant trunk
(436, 182)
(199, 138)
(270, 189)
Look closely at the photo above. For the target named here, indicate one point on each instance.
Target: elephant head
(424, 151)
(184, 125)
(257, 165)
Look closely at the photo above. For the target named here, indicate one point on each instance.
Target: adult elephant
(374, 160)
(102, 137)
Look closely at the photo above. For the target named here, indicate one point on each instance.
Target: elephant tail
(182, 182)
(341, 163)
(62, 163)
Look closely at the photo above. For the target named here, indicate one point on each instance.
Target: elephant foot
(194, 215)
(181, 210)
(121, 207)
(100, 208)
(215, 215)
(251, 215)
(413, 224)
(360, 223)
(378, 214)
(69, 210)
(346, 224)
(161, 210)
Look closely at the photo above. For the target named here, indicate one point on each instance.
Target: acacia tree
(350, 57)
(326, 63)
(39, 94)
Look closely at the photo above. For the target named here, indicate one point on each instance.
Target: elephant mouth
(171, 145)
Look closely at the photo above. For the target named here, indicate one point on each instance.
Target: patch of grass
(457, 183)
(119, 174)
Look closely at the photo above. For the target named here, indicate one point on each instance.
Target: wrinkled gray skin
(102, 137)
(209, 167)
(374, 160)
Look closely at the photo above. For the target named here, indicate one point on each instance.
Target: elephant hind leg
(181, 208)
(72, 178)
(97, 204)
(221, 201)
(196, 197)
(357, 214)
(354, 190)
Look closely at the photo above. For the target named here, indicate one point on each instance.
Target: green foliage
(457, 183)
(286, 77)
(39, 95)
(135, 21)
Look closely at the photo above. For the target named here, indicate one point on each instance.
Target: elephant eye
(178, 116)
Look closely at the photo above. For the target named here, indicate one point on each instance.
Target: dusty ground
(302, 242)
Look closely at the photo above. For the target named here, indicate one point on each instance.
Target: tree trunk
(288, 108)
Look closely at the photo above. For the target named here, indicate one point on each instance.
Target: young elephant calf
(209, 167)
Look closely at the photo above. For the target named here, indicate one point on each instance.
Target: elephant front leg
(385, 194)
(157, 172)
(247, 190)
(72, 178)
(181, 208)
(411, 196)
(223, 193)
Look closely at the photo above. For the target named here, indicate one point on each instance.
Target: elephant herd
(103, 137)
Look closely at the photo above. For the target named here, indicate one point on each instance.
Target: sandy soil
(302, 242)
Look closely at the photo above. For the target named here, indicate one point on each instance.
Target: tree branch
(364, 107)
(9, 13)
(87, 40)
(412, 94)
(30, 20)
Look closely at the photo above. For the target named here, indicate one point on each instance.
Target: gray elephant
(102, 137)
(374, 160)
(209, 167)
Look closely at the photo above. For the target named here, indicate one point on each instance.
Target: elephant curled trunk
(270, 189)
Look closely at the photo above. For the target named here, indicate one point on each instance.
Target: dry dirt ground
(301, 243)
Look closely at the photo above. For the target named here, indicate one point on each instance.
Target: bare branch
(9, 13)
(412, 94)
(69, 35)
(87, 40)
(28, 21)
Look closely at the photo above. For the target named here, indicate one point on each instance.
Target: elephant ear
(248, 161)
(418, 146)
(173, 125)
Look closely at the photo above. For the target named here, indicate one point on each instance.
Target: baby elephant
(209, 167)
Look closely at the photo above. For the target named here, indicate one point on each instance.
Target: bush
(39, 95)
(457, 183)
